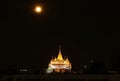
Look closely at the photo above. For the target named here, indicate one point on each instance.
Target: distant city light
(91, 61)
(23, 70)
(85, 66)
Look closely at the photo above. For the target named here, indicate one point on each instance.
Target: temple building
(59, 64)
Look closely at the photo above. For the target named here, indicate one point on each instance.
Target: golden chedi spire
(60, 54)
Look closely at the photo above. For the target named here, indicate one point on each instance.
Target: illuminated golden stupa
(59, 64)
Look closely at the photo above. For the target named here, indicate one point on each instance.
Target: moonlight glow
(38, 9)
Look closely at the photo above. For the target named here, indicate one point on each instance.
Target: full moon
(38, 9)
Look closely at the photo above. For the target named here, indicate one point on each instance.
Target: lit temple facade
(59, 64)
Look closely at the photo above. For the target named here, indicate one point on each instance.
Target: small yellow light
(38, 9)
(85, 66)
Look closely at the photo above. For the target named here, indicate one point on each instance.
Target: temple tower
(59, 64)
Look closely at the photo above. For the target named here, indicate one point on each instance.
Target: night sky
(30, 39)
